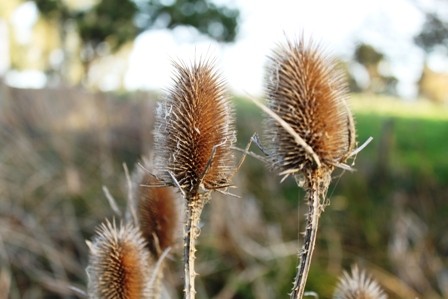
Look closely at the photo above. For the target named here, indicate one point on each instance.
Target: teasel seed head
(307, 90)
(194, 130)
(156, 211)
(358, 285)
(118, 263)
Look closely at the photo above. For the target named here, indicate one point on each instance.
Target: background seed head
(358, 285)
(118, 263)
(157, 212)
(307, 90)
(195, 117)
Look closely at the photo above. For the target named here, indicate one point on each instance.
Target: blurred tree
(104, 26)
(434, 34)
(371, 59)
(433, 39)
(433, 85)
(368, 56)
(218, 22)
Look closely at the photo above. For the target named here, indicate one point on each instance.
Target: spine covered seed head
(156, 212)
(118, 263)
(194, 121)
(307, 90)
(358, 285)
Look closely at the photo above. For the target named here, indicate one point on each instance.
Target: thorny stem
(194, 206)
(318, 182)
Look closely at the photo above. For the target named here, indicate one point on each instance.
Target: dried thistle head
(307, 90)
(156, 211)
(194, 130)
(118, 263)
(358, 285)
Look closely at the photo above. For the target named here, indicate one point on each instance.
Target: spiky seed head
(156, 210)
(195, 121)
(307, 90)
(358, 285)
(118, 263)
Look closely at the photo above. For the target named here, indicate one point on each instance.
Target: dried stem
(158, 275)
(310, 129)
(156, 287)
(194, 208)
(193, 139)
(318, 182)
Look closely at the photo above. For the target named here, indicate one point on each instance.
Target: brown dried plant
(358, 285)
(156, 214)
(311, 131)
(194, 132)
(119, 265)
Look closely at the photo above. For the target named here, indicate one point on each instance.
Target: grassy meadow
(58, 148)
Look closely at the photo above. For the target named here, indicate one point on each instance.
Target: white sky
(338, 25)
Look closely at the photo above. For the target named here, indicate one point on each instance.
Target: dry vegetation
(59, 147)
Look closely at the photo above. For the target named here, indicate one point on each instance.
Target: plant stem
(194, 206)
(318, 182)
(157, 278)
(156, 288)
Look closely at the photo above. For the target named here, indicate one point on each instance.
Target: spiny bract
(308, 91)
(194, 130)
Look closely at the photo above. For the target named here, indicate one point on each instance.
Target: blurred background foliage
(84, 31)
(61, 144)
(71, 38)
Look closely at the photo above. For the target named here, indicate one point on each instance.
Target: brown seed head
(305, 88)
(358, 285)
(156, 211)
(194, 121)
(118, 263)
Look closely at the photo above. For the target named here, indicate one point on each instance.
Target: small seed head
(358, 285)
(118, 263)
(194, 130)
(307, 90)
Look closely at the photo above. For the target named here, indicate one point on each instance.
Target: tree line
(83, 32)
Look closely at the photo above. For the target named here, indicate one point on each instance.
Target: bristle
(118, 264)
(156, 210)
(358, 285)
(195, 120)
(306, 89)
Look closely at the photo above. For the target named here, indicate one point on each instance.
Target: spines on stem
(191, 233)
(307, 90)
(118, 263)
(358, 285)
(194, 130)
